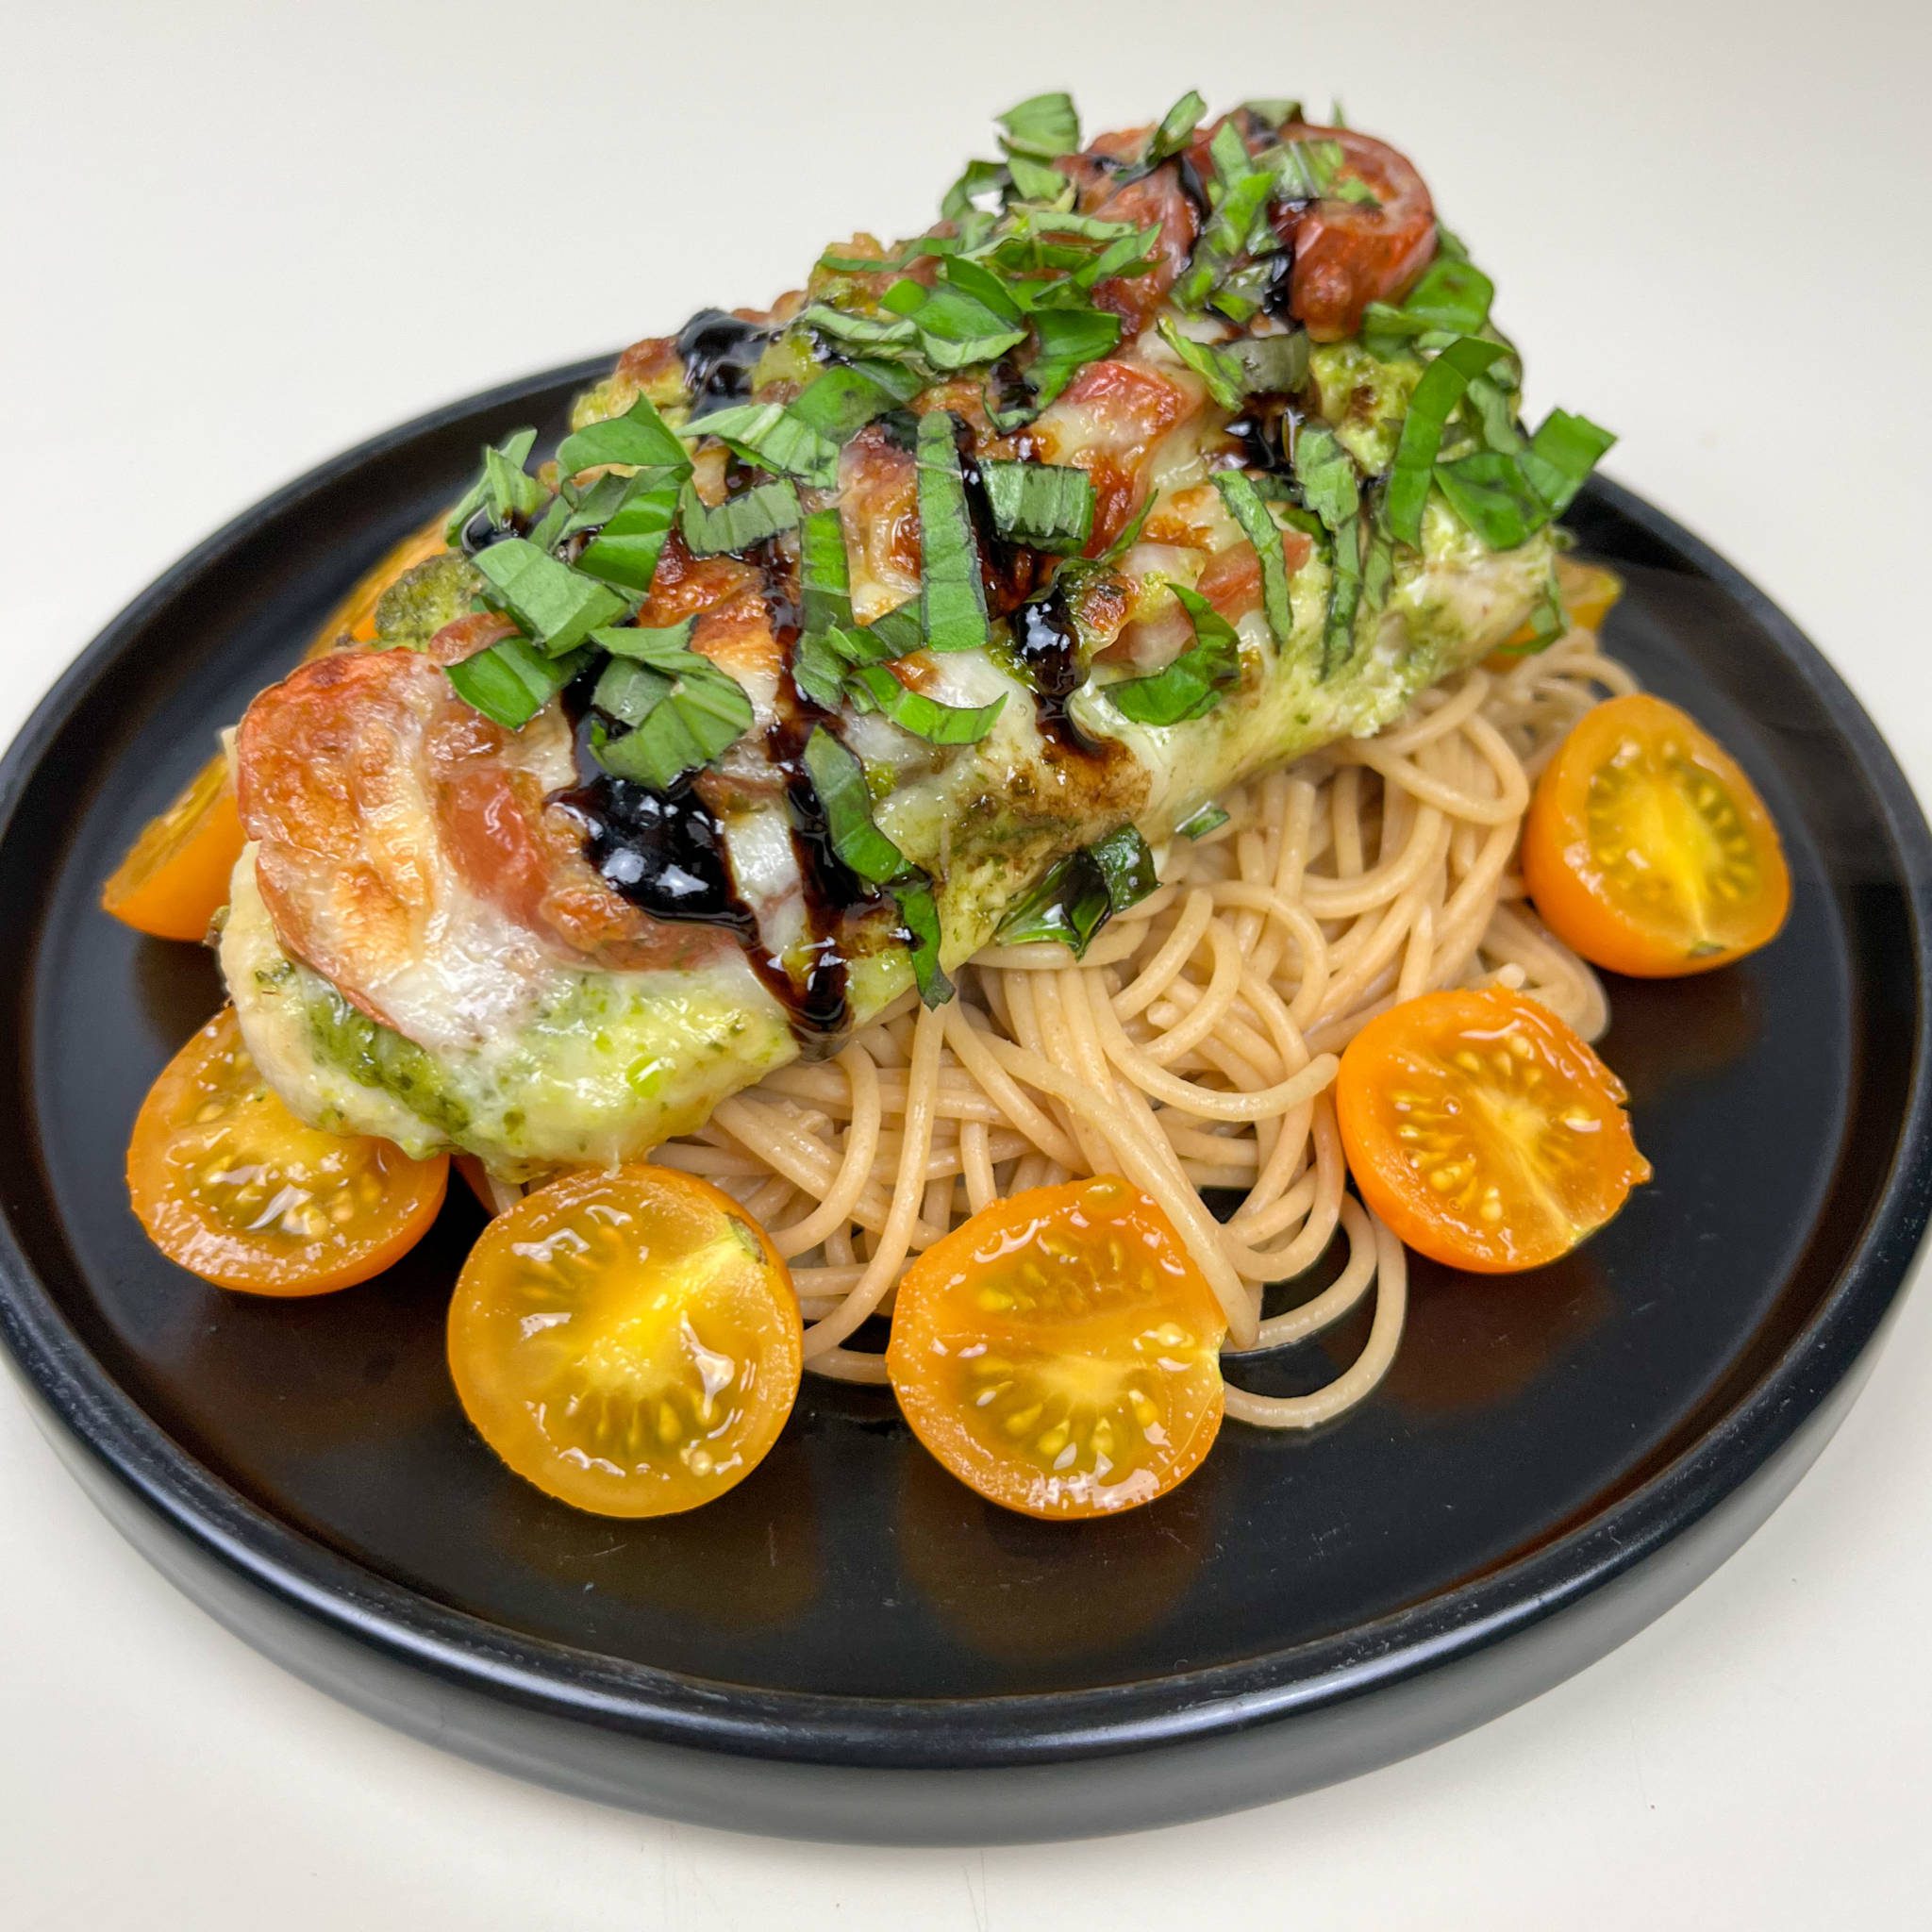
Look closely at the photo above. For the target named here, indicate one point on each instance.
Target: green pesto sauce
(434, 593)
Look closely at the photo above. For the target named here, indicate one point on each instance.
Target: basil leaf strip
(683, 709)
(771, 434)
(1175, 130)
(952, 597)
(1194, 683)
(632, 529)
(1219, 371)
(978, 178)
(1429, 410)
(1453, 293)
(1270, 363)
(1081, 892)
(1326, 475)
(557, 607)
(511, 681)
(1492, 495)
(1048, 505)
(515, 450)
(1211, 818)
(640, 437)
(875, 689)
(960, 320)
(1562, 454)
(1044, 126)
(921, 915)
(1069, 339)
(838, 780)
(737, 522)
(1257, 524)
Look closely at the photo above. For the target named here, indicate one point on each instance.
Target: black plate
(850, 1644)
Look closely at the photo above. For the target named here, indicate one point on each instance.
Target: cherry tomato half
(1648, 850)
(1061, 1351)
(230, 1185)
(628, 1341)
(1482, 1131)
(174, 879)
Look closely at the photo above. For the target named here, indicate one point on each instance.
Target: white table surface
(235, 239)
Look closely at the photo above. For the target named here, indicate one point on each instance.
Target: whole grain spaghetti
(1193, 1049)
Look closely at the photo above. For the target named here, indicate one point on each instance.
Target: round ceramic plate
(851, 1645)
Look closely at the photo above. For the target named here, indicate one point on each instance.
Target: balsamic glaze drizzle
(719, 353)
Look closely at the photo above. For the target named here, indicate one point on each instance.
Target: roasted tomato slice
(230, 1185)
(1061, 1351)
(628, 1342)
(1648, 850)
(174, 879)
(1483, 1131)
(1348, 253)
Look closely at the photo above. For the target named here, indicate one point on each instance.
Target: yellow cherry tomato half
(230, 1185)
(628, 1341)
(174, 879)
(1061, 1351)
(1648, 850)
(1483, 1131)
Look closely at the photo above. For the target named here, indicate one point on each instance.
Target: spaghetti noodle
(1194, 1048)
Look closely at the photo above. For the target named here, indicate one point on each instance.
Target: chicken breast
(838, 625)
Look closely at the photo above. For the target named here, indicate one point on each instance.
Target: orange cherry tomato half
(1061, 1351)
(174, 879)
(1482, 1131)
(628, 1341)
(230, 1185)
(1647, 849)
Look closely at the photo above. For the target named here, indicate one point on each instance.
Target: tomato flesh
(1483, 1131)
(1648, 850)
(174, 879)
(630, 1342)
(232, 1187)
(1059, 1352)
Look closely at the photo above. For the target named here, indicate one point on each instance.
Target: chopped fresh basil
(1069, 339)
(1271, 364)
(822, 659)
(1175, 130)
(964, 319)
(511, 681)
(1312, 171)
(978, 178)
(1452, 294)
(842, 326)
(1429, 410)
(1236, 227)
(824, 579)
(1548, 623)
(921, 914)
(1257, 524)
(1081, 892)
(633, 516)
(683, 710)
(1490, 493)
(1344, 598)
(513, 451)
(1562, 454)
(1044, 126)
(737, 522)
(952, 595)
(1049, 506)
(556, 607)
(1215, 367)
(771, 434)
(1038, 180)
(874, 688)
(1326, 475)
(639, 438)
(1211, 818)
(1195, 682)
(837, 779)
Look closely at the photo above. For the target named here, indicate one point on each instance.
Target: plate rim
(1003, 1729)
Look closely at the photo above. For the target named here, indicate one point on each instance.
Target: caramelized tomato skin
(1648, 850)
(1348, 253)
(1059, 1352)
(232, 1187)
(1483, 1131)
